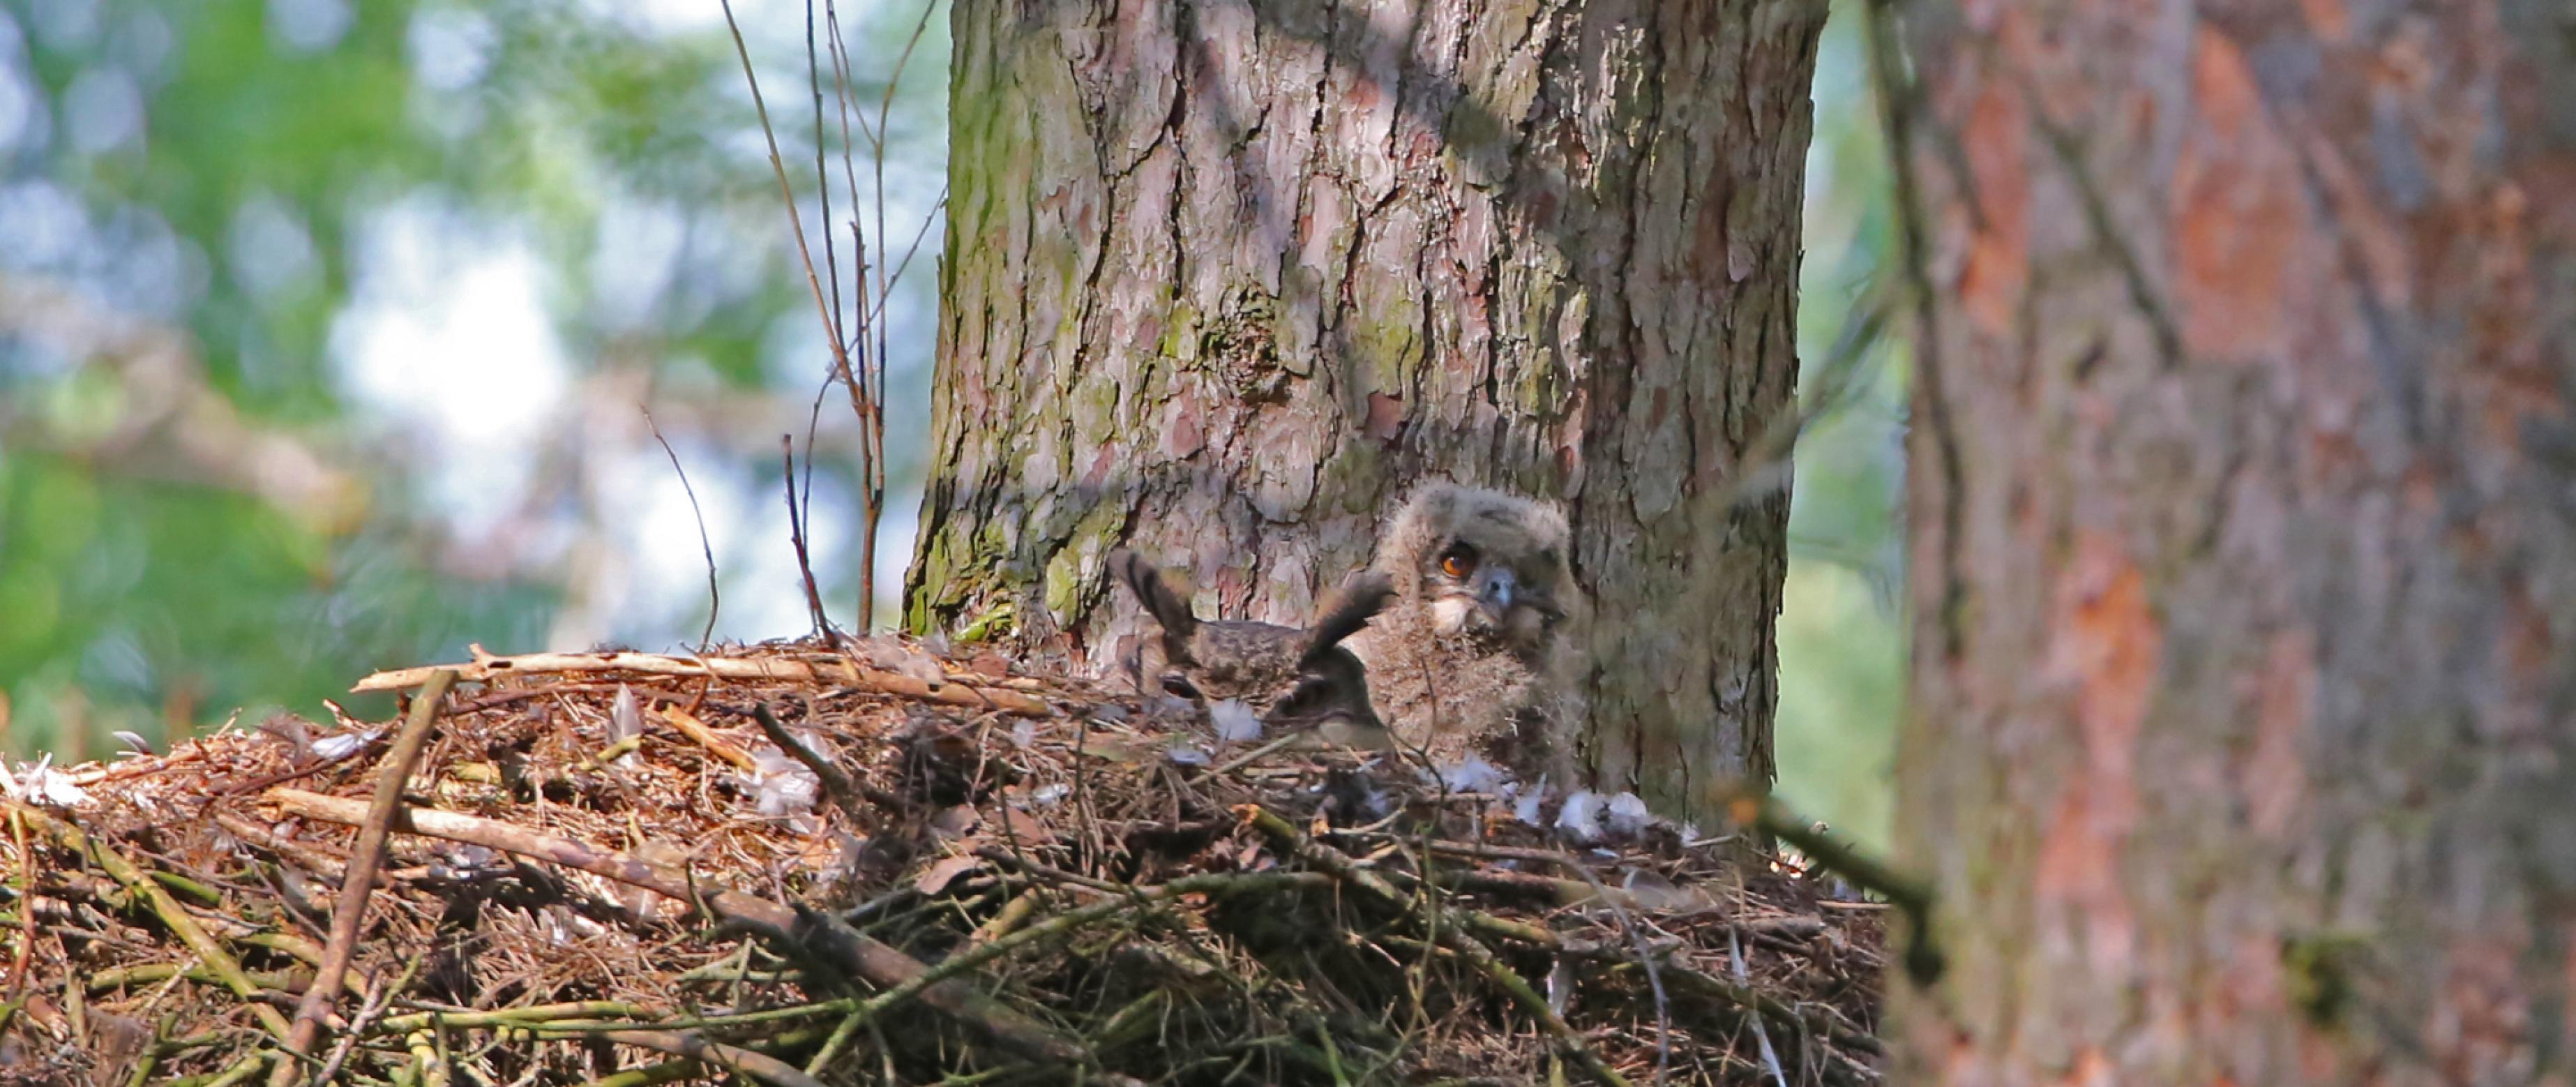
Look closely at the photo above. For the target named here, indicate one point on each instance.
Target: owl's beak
(1494, 587)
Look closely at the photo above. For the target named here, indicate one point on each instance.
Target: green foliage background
(134, 597)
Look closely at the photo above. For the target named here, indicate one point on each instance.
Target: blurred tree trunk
(2244, 506)
(1224, 279)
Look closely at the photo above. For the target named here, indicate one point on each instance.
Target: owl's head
(1481, 563)
(1287, 674)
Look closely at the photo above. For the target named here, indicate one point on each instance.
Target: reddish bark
(2243, 744)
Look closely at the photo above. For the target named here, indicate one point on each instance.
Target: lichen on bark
(1224, 280)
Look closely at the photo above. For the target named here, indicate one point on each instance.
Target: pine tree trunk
(1224, 279)
(2244, 500)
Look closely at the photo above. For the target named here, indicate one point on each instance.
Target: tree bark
(1223, 279)
(2244, 512)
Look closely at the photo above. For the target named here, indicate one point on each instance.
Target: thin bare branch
(715, 599)
(796, 536)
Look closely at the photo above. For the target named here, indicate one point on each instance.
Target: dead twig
(350, 913)
(715, 598)
(836, 784)
(20, 962)
(207, 948)
(1911, 896)
(688, 725)
(799, 931)
(1449, 936)
(689, 1044)
(953, 691)
(378, 994)
(796, 539)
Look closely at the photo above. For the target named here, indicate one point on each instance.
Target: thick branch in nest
(802, 671)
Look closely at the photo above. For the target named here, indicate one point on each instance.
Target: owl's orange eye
(1458, 563)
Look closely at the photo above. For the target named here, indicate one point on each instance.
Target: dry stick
(823, 187)
(696, 730)
(840, 54)
(695, 1047)
(1339, 865)
(1911, 896)
(1770, 1057)
(841, 671)
(23, 960)
(1065, 923)
(715, 600)
(871, 410)
(691, 1070)
(1753, 1000)
(844, 792)
(861, 395)
(1900, 96)
(787, 195)
(885, 293)
(349, 914)
(841, 948)
(796, 538)
(378, 995)
(1744, 997)
(1647, 958)
(207, 948)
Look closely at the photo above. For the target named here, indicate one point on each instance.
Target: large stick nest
(604, 869)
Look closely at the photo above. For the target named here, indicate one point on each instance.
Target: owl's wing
(1363, 595)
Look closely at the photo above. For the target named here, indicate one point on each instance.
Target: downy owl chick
(1475, 651)
(1288, 677)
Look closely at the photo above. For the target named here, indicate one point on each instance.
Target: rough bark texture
(1224, 278)
(2245, 557)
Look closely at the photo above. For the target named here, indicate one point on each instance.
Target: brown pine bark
(1224, 279)
(2244, 500)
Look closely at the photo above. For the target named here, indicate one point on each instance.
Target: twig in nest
(1648, 959)
(181, 923)
(801, 933)
(378, 994)
(841, 671)
(23, 960)
(1911, 896)
(843, 791)
(1065, 923)
(1451, 936)
(349, 915)
(1770, 1057)
(688, 725)
(681, 1043)
(715, 600)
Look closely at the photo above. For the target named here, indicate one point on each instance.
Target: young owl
(1287, 676)
(1476, 651)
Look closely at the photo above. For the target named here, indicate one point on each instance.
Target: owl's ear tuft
(1166, 606)
(1437, 499)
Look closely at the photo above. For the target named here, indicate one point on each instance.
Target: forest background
(329, 333)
